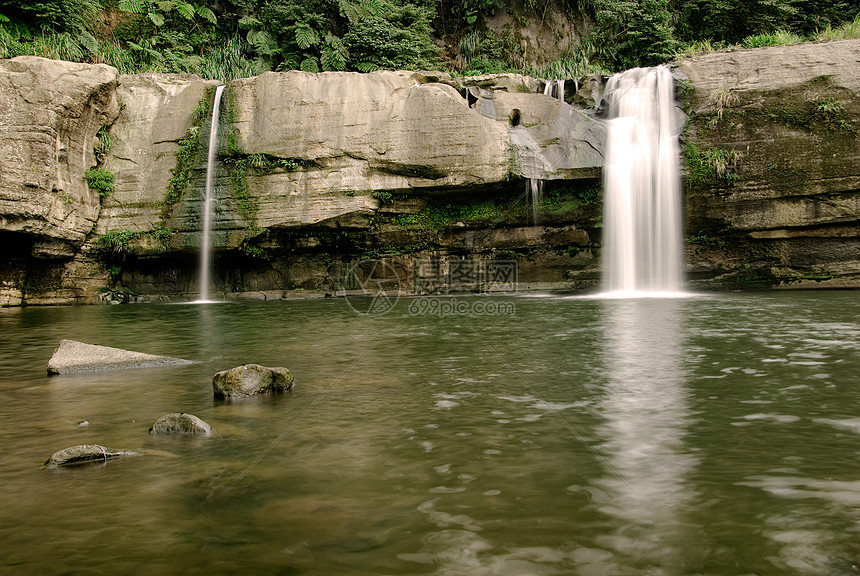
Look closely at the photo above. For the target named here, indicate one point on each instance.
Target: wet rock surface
(72, 357)
(83, 454)
(251, 380)
(180, 424)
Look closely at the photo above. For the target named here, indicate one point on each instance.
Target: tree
(633, 33)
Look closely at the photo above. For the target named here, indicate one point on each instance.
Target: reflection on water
(646, 414)
(714, 435)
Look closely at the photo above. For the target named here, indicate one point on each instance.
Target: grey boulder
(72, 356)
(250, 380)
(181, 423)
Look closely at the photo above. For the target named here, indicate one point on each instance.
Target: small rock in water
(251, 379)
(181, 423)
(86, 454)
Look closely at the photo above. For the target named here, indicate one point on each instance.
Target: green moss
(817, 277)
(749, 277)
(241, 165)
(791, 118)
(831, 113)
(568, 199)
(827, 111)
(439, 215)
(391, 251)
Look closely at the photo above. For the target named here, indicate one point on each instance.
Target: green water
(711, 435)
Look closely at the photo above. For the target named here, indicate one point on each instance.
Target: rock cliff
(773, 166)
(316, 172)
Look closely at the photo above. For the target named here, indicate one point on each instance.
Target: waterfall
(534, 186)
(642, 186)
(208, 200)
(554, 88)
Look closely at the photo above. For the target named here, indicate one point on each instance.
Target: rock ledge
(72, 356)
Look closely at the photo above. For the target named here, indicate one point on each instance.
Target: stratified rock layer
(316, 172)
(73, 357)
(50, 112)
(787, 209)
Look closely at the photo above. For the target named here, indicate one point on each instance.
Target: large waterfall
(206, 231)
(642, 238)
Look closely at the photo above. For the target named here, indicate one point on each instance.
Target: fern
(350, 11)
(367, 67)
(186, 10)
(89, 42)
(310, 64)
(207, 14)
(334, 54)
(373, 7)
(306, 36)
(249, 22)
(157, 18)
(133, 6)
(263, 42)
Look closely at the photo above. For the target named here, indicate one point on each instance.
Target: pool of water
(707, 435)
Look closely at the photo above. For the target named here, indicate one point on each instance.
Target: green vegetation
(383, 196)
(116, 244)
(187, 154)
(831, 113)
(115, 241)
(825, 110)
(712, 166)
(441, 213)
(776, 38)
(438, 214)
(565, 200)
(235, 38)
(100, 180)
(240, 164)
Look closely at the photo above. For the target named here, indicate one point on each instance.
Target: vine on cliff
(187, 154)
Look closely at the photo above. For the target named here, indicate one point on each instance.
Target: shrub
(100, 180)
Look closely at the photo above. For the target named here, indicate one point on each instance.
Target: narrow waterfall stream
(206, 230)
(642, 186)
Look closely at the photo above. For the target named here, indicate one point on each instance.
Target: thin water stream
(711, 435)
(209, 199)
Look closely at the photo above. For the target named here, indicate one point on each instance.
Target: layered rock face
(50, 113)
(316, 172)
(773, 157)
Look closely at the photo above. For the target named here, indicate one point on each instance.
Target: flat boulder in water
(86, 454)
(72, 356)
(181, 424)
(250, 380)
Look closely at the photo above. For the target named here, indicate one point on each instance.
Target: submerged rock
(251, 379)
(181, 423)
(86, 454)
(72, 356)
